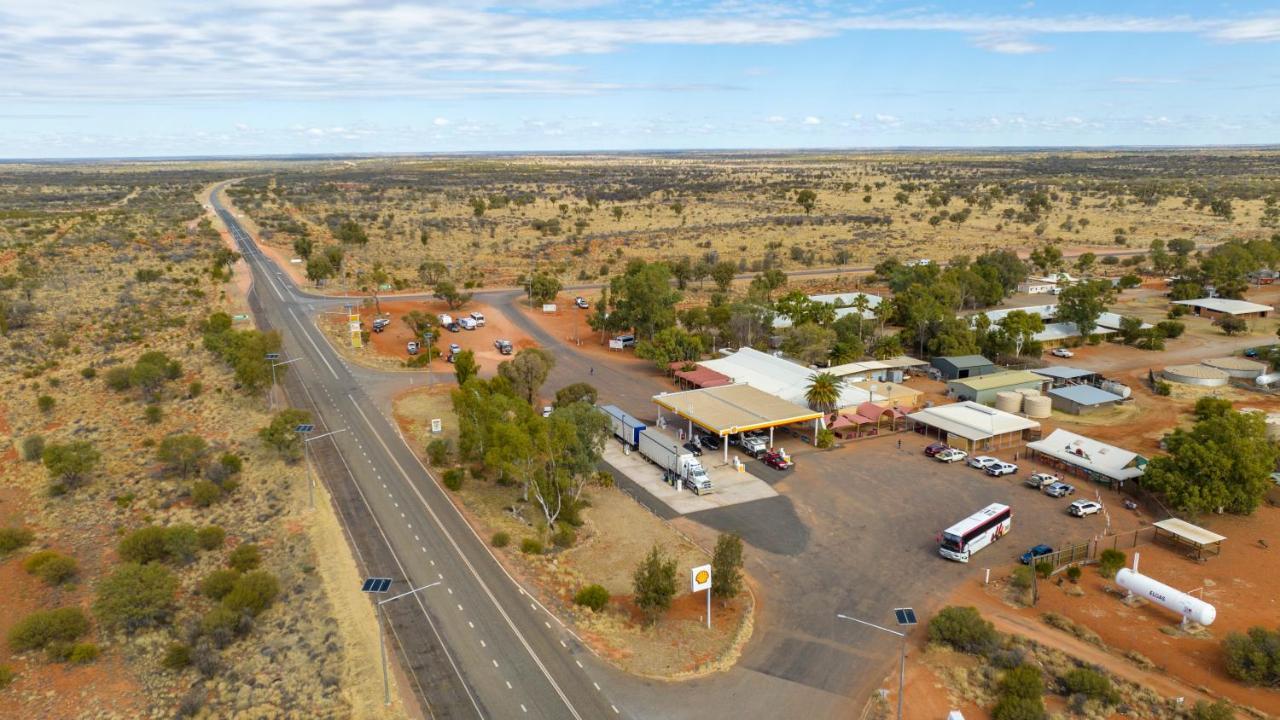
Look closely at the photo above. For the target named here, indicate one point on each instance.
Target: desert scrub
(964, 629)
(252, 593)
(211, 537)
(592, 596)
(176, 657)
(50, 566)
(218, 583)
(7, 676)
(500, 539)
(174, 544)
(438, 451)
(136, 596)
(83, 653)
(43, 627)
(453, 478)
(530, 546)
(245, 557)
(1070, 626)
(32, 448)
(205, 493)
(12, 538)
(565, 537)
(1109, 561)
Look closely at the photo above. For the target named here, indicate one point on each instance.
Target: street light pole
(306, 457)
(382, 643)
(902, 663)
(272, 357)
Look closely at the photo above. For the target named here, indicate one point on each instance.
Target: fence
(1088, 551)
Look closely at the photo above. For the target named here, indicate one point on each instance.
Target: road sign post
(700, 579)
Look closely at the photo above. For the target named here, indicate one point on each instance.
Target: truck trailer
(625, 428)
(667, 453)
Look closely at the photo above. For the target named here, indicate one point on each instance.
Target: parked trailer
(666, 453)
(626, 428)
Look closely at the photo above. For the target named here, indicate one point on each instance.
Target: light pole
(272, 358)
(378, 586)
(906, 618)
(304, 430)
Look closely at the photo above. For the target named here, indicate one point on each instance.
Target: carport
(731, 409)
(1183, 533)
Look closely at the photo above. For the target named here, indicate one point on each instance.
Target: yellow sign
(700, 578)
(356, 336)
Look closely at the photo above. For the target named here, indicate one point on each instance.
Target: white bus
(962, 540)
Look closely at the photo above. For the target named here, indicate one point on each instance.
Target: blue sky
(178, 77)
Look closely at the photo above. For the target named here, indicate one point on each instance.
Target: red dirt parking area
(392, 341)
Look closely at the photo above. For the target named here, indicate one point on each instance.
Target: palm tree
(823, 393)
(860, 305)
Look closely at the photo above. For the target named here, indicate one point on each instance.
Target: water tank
(1027, 392)
(1008, 401)
(1115, 388)
(1040, 406)
(1191, 608)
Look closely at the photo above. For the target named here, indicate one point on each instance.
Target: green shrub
(1024, 681)
(176, 544)
(205, 493)
(1073, 573)
(530, 546)
(453, 478)
(565, 537)
(1109, 561)
(231, 463)
(43, 627)
(1044, 568)
(245, 557)
(963, 629)
(12, 538)
(592, 596)
(501, 539)
(1021, 577)
(218, 583)
(438, 451)
(252, 593)
(222, 625)
(826, 438)
(1016, 708)
(1092, 684)
(7, 676)
(1220, 710)
(136, 596)
(45, 403)
(195, 389)
(1254, 658)
(51, 566)
(119, 378)
(211, 537)
(177, 656)
(83, 653)
(32, 448)
(153, 414)
(182, 454)
(89, 373)
(1163, 388)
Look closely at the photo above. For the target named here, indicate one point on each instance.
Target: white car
(1061, 352)
(951, 455)
(1083, 508)
(581, 302)
(546, 411)
(478, 317)
(1059, 490)
(982, 461)
(411, 347)
(1041, 481)
(467, 323)
(1001, 468)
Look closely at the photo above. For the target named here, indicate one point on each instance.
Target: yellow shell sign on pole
(700, 579)
(353, 319)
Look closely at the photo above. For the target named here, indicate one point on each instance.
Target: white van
(446, 320)
(467, 323)
(478, 317)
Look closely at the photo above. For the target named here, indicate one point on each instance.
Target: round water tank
(1028, 392)
(1115, 388)
(1188, 606)
(1008, 401)
(1201, 375)
(1040, 406)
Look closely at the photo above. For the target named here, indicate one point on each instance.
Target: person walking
(592, 371)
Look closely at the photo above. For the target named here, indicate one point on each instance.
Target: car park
(998, 469)
(1061, 352)
(1084, 508)
(693, 447)
(478, 317)
(935, 448)
(581, 302)
(982, 461)
(380, 324)
(412, 347)
(776, 460)
(1029, 556)
(1059, 489)
(1041, 481)
(951, 455)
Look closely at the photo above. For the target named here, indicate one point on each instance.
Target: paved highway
(477, 645)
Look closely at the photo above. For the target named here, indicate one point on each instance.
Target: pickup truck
(1040, 481)
(754, 445)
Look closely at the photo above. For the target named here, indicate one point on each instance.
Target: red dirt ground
(391, 342)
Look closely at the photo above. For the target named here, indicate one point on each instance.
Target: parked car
(503, 346)
(1083, 508)
(693, 447)
(754, 445)
(1029, 556)
(454, 348)
(626, 340)
(998, 469)
(1061, 352)
(467, 323)
(1059, 489)
(982, 461)
(478, 317)
(951, 455)
(445, 319)
(454, 327)
(380, 324)
(412, 347)
(1041, 481)
(935, 448)
(546, 410)
(775, 460)
(581, 302)
(710, 442)
(1251, 353)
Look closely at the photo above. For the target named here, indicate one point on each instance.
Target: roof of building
(881, 391)
(868, 366)
(972, 421)
(1193, 534)
(1085, 395)
(965, 361)
(998, 380)
(1226, 305)
(1106, 321)
(1062, 372)
(844, 300)
(1235, 363)
(1107, 460)
(703, 377)
(777, 376)
(1044, 311)
(734, 408)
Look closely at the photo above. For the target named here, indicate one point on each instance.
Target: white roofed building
(972, 427)
(1087, 457)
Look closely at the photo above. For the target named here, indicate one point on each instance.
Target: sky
(157, 78)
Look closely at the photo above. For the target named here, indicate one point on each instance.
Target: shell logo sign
(700, 578)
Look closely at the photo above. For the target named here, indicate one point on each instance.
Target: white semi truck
(666, 453)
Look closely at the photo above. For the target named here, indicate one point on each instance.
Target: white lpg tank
(1190, 608)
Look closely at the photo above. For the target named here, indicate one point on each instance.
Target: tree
(806, 199)
(809, 343)
(182, 454)
(1083, 303)
(654, 583)
(1254, 658)
(432, 271)
(377, 278)
(643, 298)
(335, 254)
(1232, 325)
(527, 372)
(1046, 258)
(1130, 329)
(136, 596)
(823, 392)
(1224, 462)
(319, 268)
(726, 566)
(766, 282)
(670, 345)
(723, 273)
(351, 232)
(576, 392)
(1085, 262)
(465, 366)
(302, 247)
(447, 291)
(282, 434)
(964, 629)
(543, 288)
(69, 463)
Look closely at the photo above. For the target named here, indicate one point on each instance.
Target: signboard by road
(615, 344)
(700, 578)
(549, 308)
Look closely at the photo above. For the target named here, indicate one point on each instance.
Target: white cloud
(888, 120)
(1255, 30)
(440, 122)
(1006, 45)
(775, 119)
(812, 120)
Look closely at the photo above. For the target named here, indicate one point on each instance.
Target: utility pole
(378, 586)
(305, 430)
(906, 618)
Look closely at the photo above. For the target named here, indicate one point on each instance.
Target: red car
(776, 460)
(935, 448)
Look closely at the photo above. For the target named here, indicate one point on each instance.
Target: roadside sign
(549, 308)
(436, 425)
(295, 261)
(239, 318)
(700, 578)
(615, 344)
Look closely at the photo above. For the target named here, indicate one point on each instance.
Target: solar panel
(906, 616)
(375, 585)
(305, 428)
